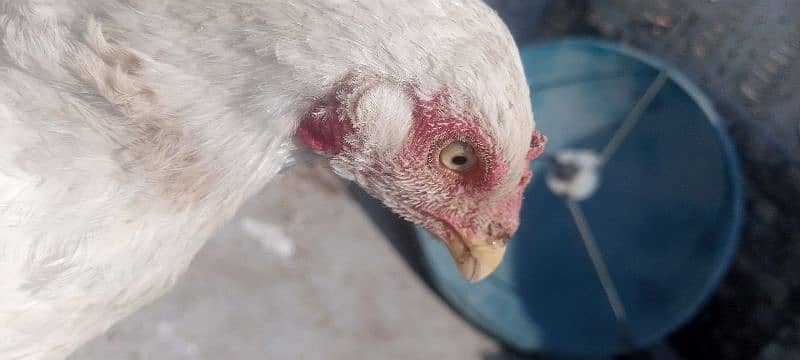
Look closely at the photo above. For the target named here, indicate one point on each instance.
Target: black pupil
(459, 160)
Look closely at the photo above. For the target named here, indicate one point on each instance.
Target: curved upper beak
(479, 259)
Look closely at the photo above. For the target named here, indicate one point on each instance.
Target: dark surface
(745, 55)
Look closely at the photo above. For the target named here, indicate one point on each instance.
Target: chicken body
(130, 130)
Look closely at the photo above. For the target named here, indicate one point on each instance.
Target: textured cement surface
(300, 273)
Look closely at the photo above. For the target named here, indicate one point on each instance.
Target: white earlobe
(384, 116)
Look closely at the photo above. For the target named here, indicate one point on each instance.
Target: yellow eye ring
(458, 156)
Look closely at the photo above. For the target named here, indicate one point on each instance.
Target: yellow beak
(477, 261)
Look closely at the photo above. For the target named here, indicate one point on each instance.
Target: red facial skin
(481, 213)
(475, 206)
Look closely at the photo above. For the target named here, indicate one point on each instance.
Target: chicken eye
(458, 156)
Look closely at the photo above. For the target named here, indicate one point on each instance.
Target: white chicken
(131, 129)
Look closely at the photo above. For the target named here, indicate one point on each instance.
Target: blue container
(666, 216)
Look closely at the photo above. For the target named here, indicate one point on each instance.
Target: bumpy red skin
(480, 214)
(453, 206)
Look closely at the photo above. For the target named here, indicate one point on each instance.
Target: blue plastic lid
(666, 215)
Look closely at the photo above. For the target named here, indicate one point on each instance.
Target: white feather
(130, 130)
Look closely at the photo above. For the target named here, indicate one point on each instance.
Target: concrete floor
(300, 273)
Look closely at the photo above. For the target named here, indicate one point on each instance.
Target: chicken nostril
(497, 231)
(491, 229)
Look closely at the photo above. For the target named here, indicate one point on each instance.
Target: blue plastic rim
(666, 216)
